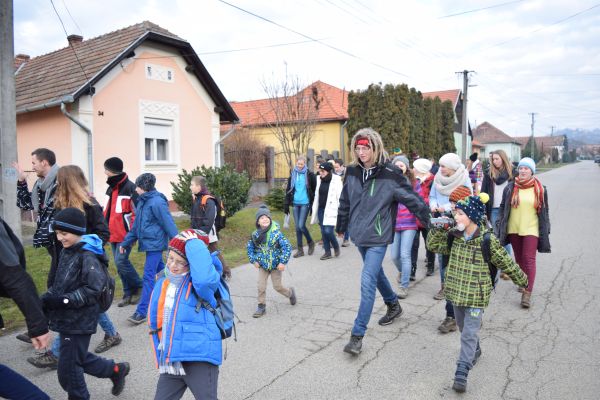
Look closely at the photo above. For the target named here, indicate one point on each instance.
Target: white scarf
(446, 184)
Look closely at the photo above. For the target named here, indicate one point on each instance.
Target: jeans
(104, 322)
(443, 263)
(469, 322)
(327, 233)
(493, 218)
(415, 249)
(16, 386)
(525, 248)
(129, 276)
(372, 278)
(402, 254)
(153, 265)
(300, 215)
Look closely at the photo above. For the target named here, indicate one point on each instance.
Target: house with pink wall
(139, 93)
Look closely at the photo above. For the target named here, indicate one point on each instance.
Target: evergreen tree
(527, 150)
(446, 129)
(416, 134)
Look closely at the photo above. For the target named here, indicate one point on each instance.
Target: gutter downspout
(218, 143)
(342, 144)
(87, 130)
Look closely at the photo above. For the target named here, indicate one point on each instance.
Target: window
(158, 139)
(160, 73)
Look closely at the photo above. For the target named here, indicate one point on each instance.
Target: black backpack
(486, 252)
(107, 294)
(221, 216)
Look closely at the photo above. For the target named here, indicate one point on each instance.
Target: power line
(70, 44)
(72, 19)
(479, 9)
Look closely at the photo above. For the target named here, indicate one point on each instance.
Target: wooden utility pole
(465, 122)
(532, 138)
(8, 124)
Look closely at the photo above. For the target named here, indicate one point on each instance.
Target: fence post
(270, 166)
(336, 154)
(324, 154)
(310, 155)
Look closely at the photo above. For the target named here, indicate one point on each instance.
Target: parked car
(597, 159)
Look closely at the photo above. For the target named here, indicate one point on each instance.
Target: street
(551, 351)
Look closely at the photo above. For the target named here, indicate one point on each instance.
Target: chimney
(20, 59)
(74, 39)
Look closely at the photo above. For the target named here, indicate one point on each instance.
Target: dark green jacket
(468, 282)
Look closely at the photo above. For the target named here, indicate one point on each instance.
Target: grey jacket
(501, 228)
(369, 203)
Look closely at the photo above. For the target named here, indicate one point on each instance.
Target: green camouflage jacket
(467, 282)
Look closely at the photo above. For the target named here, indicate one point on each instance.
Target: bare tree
(291, 114)
(246, 152)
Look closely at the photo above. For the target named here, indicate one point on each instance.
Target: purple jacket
(405, 220)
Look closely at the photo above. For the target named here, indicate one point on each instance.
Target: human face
(109, 174)
(462, 220)
(264, 221)
(365, 154)
(67, 239)
(323, 173)
(40, 168)
(401, 165)
(177, 264)
(525, 172)
(447, 171)
(497, 161)
(337, 167)
(195, 188)
(300, 163)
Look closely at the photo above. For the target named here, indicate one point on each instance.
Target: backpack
(107, 294)
(221, 216)
(224, 314)
(487, 255)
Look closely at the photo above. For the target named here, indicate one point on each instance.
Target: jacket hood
(92, 243)
(152, 194)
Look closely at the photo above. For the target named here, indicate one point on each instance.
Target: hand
(53, 302)
(22, 175)
(122, 250)
(41, 342)
(281, 267)
(186, 235)
(227, 273)
(256, 265)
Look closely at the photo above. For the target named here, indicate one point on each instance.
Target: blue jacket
(153, 226)
(194, 336)
(276, 249)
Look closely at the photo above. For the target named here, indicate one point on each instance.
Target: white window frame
(162, 114)
(159, 73)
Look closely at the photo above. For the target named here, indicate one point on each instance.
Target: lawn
(232, 243)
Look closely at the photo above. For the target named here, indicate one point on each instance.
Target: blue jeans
(494, 217)
(153, 265)
(329, 239)
(402, 254)
(129, 276)
(443, 263)
(16, 386)
(300, 215)
(372, 278)
(104, 322)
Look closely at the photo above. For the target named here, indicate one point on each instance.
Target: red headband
(363, 141)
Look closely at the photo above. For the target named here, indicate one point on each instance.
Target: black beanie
(146, 182)
(70, 220)
(114, 165)
(326, 166)
(473, 157)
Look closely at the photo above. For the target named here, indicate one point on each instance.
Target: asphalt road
(551, 351)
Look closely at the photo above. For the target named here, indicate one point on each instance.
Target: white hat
(422, 165)
(450, 160)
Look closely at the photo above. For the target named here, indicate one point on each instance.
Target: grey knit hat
(263, 210)
(146, 182)
(402, 158)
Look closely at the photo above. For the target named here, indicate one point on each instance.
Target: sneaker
(429, 270)
(108, 342)
(402, 292)
(346, 243)
(24, 337)
(336, 252)
(439, 295)
(460, 378)
(447, 325)
(292, 296)
(136, 318)
(354, 346)
(299, 252)
(311, 248)
(477, 355)
(127, 300)
(413, 272)
(261, 310)
(325, 256)
(44, 360)
(393, 311)
(120, 371)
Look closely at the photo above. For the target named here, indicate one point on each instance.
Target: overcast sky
(538, 56)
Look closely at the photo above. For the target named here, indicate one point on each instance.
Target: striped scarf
(171, 368)
(538, 189)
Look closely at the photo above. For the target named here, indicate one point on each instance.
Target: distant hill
(585, 136)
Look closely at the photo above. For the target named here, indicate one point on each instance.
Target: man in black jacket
(16, 284)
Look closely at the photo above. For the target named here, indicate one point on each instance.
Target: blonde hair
(506, 165)
(71, 188)
(380, 156)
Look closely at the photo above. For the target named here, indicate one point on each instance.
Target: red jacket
(426, 187)
(119, 208)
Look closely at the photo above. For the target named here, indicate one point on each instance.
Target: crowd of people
(473, 219)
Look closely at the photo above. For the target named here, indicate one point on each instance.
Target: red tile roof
(487, 133)
(333, 106)
(453, 95)
(542, 142)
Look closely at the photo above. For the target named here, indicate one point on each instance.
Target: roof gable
(453, 95)
(487, 133)
(542, 142)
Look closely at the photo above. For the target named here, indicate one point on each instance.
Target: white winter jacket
(333, 201)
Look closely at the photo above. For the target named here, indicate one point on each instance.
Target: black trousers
(75, 360)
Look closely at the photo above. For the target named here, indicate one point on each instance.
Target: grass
(232, 243)
(548, 167)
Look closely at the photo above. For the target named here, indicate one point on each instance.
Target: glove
(53, 302)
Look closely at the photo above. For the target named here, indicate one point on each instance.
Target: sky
(528, 56)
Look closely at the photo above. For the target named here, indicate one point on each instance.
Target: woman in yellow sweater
(524, 221)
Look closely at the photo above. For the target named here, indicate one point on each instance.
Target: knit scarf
(538, 190)
(112, 181)
(44, 185)
(295, 173)
(500, 179)
(446, 184)
(172, 368)
(263, 235)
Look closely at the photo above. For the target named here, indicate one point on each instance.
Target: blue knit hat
(473, 207)
(527, 162)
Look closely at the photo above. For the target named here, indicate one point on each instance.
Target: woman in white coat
(325, 207)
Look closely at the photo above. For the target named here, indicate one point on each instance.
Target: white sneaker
(402, 292)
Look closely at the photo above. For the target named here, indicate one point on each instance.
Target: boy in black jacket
(71, 304)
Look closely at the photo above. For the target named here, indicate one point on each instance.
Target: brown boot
(311, 248)
(299, 252)
(526, 299)
(440, 295)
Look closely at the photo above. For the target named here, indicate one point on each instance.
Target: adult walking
(119, 212)
(368, 206)
(299, 194)
(422, 172)
(325, 207)
(524, 221)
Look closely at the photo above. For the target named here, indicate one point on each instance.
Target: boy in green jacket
(468, 281)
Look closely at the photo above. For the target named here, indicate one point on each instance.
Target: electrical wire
(72, 19)
(479, 9)
(70, 44)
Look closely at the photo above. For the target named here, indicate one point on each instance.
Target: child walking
(468, 278)
(269, 251)
(71, 304)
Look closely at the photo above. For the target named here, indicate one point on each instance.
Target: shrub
(275, 198)
(232, 187)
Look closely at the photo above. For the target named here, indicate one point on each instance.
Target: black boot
(413, 272)
(393, 310)
(460, 378)
(354, 346)
(429, 269)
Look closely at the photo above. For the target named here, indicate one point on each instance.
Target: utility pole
(8, 124)
(533, 114)
(465, 123)
(552, 130)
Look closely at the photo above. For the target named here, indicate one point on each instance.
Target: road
(551, 351)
